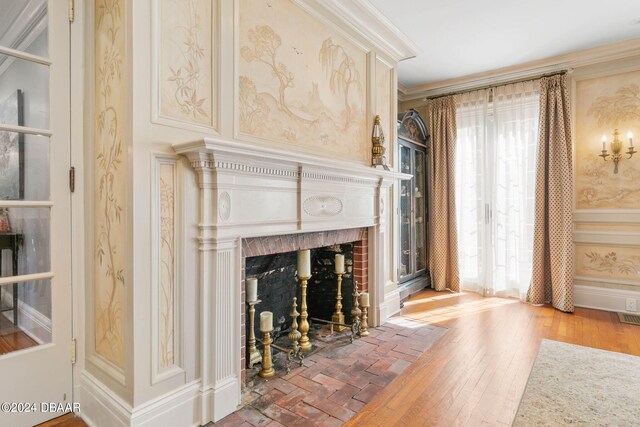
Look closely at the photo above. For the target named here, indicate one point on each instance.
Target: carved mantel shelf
(263, 191)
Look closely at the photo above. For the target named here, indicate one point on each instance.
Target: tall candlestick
(266, 370)
(252, 289)
(305, 344)
(338, 316)
(339, 263)
(266, 321)
(254, 354)
(304, 263)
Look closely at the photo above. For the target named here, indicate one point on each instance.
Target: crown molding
(582, 58)
(372, 25)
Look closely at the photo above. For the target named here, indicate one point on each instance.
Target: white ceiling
(462, 37)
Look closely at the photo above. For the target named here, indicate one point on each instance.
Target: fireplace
(273, 261)
(257, 201)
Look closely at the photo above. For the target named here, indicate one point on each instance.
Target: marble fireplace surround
(248, 191)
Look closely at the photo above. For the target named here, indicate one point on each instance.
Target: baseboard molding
(32, 322)
(101, 407)
(603, 298)
(391, 305)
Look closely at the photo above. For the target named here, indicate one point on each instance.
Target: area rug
(580, 386)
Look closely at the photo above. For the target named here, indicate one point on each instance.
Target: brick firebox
(259, 246)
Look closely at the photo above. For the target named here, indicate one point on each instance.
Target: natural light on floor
(460, 310)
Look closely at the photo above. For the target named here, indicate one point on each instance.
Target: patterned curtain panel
(444, 247)
(552, 276)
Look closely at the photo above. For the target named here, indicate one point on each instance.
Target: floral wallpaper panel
(608, 262)
(186, 74)
(167, 292)
(110, 181)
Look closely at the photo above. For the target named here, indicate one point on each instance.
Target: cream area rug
(571, 385)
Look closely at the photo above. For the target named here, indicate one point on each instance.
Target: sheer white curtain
(497, 137)
(471, 115)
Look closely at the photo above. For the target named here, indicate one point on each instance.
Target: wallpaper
(167, 266)
(110, 181)
(300, 82)
(383, 102)
(185, 60)
(602, 105)
(622, 262)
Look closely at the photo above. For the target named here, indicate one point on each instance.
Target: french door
(35, 214)
(497, 133)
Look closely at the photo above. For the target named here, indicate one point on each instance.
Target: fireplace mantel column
(219, 300)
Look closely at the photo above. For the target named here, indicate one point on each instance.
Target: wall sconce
(616, 149)
(377, 138)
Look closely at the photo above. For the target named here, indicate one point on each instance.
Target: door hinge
(72, 11)
(73, 351)
(72, 179)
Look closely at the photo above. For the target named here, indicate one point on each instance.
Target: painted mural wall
(185, 65)
(603, 105)
(110, 169)
(300, 82)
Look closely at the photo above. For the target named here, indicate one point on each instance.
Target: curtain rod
(528, 79)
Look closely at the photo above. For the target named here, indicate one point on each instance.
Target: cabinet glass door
(419, 203)
(406, 243)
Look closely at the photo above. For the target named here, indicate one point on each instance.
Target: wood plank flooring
(476, 373)
(12, 338)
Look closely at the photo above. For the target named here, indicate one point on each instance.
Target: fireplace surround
(249, 193)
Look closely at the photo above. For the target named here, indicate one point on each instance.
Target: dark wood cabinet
(413, 273)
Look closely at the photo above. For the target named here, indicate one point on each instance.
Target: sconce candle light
(616, 149)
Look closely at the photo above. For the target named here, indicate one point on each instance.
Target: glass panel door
(420, 205)
(406, 240)
(35, 282)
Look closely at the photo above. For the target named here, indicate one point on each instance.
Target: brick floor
(337, 378)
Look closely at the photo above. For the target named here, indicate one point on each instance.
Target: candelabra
(616, 149)
(254, 354)
(338, 316)
(305, 344)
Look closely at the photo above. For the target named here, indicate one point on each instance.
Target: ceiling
(462, 37)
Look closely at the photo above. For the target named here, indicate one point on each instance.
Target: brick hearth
(336, 381)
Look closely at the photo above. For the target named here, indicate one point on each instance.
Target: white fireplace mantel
(250, 191)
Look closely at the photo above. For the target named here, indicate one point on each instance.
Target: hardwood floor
(12, 338)
(476, 373)
(67, 420)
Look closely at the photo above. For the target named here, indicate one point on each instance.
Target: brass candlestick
(338, 317)
(364, 332)
(305, 345)
(254, 354)
(266, 370)
(294, 335)
(355, 311)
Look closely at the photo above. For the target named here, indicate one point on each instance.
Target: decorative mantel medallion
(322, 206)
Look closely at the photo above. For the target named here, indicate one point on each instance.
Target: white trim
(603, 298)
(614, 216)
(375, 27)
(571, 60)
(8, 280)
(101, 407)
(391, 305)
(617, 238)
(608, 280)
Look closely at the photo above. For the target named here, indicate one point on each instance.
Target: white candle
(339, 263)
(604, 140)
(252, 289)
(266, 321)
(304, 263)
(630, 135)
(364, 299)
